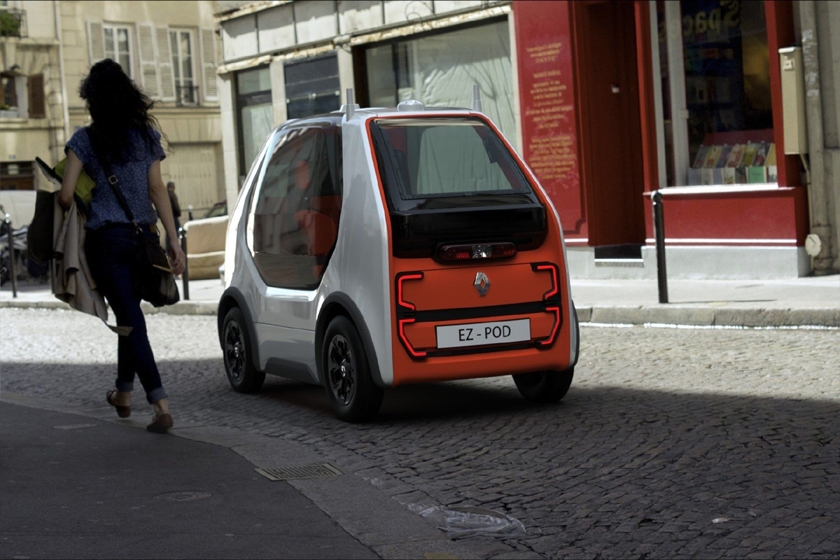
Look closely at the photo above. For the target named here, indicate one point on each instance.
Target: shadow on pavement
(609, 469)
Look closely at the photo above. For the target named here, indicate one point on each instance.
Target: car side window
(296, 213)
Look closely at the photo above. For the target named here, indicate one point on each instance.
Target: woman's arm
(160, 198)
(68, 182)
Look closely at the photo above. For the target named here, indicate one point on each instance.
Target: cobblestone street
(708, 443)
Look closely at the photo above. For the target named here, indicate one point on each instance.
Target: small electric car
(371, 248)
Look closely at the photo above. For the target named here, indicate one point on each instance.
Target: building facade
(609, 102)
(170, 49)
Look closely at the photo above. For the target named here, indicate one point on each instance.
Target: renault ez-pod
(371, 248)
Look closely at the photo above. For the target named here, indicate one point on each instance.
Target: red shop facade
(621, 99)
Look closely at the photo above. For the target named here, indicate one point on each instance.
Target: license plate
(481, 334)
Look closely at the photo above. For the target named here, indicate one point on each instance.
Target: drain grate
(307, 471)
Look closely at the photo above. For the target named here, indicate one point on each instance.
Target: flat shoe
(122, 411)
(161, 423)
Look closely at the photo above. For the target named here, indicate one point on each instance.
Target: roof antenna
(476, 98)
(350, 104)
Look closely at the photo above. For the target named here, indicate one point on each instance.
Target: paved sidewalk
(77, 487)
(797, 302)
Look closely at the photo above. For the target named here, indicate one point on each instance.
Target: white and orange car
(371, 248)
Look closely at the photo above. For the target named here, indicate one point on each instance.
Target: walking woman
(122, 138)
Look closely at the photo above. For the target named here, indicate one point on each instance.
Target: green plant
(9, 25)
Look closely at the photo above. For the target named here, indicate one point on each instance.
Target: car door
(293, 228)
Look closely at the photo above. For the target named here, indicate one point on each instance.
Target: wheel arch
(340, 304)
(231, 298)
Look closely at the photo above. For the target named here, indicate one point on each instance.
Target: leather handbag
(156, 283)
(39, 236)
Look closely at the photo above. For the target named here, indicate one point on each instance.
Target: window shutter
(96, 42)
(164, 60)
(37, 105)
(208, 63)
(148, 64)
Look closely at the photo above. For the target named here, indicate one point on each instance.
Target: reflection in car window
(296, 213)
(434, 157)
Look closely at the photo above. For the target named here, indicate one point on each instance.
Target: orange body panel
(512, 281)
(452, 287)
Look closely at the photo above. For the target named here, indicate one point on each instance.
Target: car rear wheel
(544, 386)
(346, 373)
(239, 363)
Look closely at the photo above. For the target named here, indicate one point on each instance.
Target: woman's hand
(178, 259)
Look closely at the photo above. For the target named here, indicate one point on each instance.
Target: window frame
(679, 160)
(115, 27)
(328, 126)
(176, 68)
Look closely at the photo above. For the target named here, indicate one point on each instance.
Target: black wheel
(346, 372)
(544, 386)
(239, 364)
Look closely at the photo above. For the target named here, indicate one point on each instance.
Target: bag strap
(115, 186)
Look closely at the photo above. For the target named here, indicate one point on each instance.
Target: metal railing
(12, 22)
(186, 96)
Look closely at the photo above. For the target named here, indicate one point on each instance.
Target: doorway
(613, 174)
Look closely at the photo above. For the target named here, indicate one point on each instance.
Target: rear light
(551, 302)
(478, 251)
(405, 312)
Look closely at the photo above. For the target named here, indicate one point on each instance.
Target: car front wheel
(544, 386)
(350, 387)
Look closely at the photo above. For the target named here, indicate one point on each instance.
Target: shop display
(752, 162)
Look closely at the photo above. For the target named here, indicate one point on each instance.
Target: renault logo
(482, 283)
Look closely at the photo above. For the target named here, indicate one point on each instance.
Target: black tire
(346, 373)
(544, 386)
(236, 348)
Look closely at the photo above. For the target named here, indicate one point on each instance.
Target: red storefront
(619, 99)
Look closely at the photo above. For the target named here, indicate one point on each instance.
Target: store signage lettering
(547, 104)
(713, 23)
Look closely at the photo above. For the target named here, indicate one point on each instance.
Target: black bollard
(12, 263)
(185, 276)
(659, 233)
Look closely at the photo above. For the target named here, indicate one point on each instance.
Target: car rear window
(445, 157)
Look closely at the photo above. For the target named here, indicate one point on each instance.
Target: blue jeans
(112, 255)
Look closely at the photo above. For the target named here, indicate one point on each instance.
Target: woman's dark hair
(116, 105)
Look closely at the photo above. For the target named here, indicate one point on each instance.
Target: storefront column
(228, 124)
(346, 76)
(278, 91)
(818, 195)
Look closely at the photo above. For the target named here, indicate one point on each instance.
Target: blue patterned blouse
(104, 207)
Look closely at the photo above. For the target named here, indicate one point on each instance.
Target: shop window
(312, 87)
(256, 114)
(441, 70)
(296, 211)
(717, 115)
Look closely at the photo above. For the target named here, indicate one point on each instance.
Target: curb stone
(667, 314)
(711, 317)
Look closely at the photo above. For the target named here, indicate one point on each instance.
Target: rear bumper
(490, 364)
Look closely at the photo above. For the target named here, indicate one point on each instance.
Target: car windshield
(446, 158)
